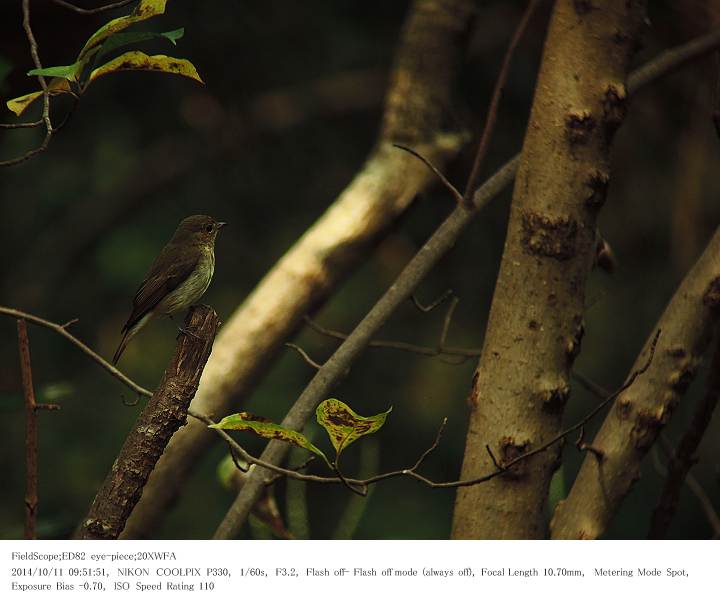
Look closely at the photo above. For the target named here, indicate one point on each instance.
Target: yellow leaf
(343, 425)
(144, 10)
(139, 61)
(20, 104)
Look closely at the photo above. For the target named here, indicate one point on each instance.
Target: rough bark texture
(535, 325)
(164, 413)
(429, 57)
(640, 412)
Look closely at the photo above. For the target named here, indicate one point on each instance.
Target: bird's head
(199, 229)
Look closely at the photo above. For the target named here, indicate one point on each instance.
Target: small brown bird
(178, 278)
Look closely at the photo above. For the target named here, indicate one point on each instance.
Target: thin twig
(462, 354)
(60, 329)
(433, 305)
(448, 185)
(34, 124)
(350, 482)
(93, 11)
(305, 356)
(474, 177)
(412, 472)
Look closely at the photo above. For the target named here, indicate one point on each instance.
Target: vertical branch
(31, 437)
(535, 324)
(474, 178)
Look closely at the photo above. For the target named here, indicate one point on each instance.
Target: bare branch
(93, 11)
(462, 353)
(165, 412)
(448, 185)
(22, 125)
(474, 177)
(433, 305)
(305, 356)
(411, 472)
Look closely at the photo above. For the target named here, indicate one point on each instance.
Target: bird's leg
(185, 330)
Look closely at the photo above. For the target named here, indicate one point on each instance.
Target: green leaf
(134, 37)
(139, 61)
(267, 429)
(344, 426)
(69, 72)
(143, 11)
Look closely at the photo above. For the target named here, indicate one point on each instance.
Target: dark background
(289, 111)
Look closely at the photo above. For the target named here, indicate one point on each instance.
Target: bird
(178, 278)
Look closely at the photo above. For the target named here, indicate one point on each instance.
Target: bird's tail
(128, 333)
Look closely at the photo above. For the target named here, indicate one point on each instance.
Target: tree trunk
(536, 319)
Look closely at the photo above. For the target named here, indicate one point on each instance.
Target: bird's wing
(160, 281)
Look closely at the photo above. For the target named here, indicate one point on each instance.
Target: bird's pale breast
(192, 289)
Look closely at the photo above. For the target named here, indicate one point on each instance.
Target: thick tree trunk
(536, 319)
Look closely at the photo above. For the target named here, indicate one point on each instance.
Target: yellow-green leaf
(20, 104)
(266, 429)
(68, 72)
(343, 425)
(144, 10)
(139, 61)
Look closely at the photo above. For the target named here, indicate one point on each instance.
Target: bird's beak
(221, 225)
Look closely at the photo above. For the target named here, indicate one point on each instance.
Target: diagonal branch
(638, 416)
(164, 413)
(92, 11)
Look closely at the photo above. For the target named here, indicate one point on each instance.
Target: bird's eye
(209, 228)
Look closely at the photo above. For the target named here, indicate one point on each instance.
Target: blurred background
(290, 109)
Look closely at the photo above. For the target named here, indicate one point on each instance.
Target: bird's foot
(189, 333)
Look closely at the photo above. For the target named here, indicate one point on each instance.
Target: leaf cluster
(75, 78)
